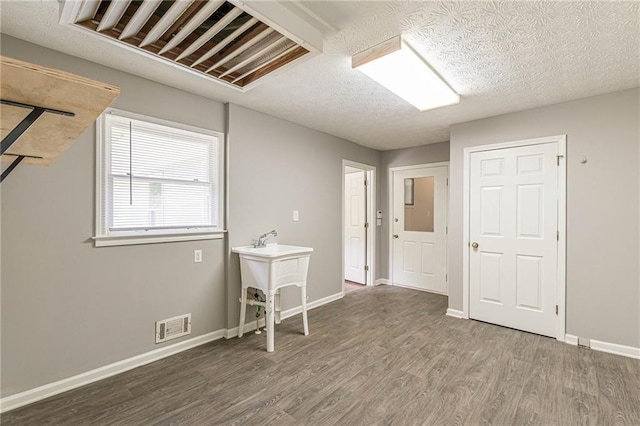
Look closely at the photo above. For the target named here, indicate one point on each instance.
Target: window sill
(153, 239)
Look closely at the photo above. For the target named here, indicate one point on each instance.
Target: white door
(420, 228)
(513, 229)
(355, 233)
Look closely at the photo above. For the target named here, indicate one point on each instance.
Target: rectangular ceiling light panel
(211, 37)
(397, 66)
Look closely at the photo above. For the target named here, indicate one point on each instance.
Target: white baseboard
(41, 392)
(455, 313)
(611, 348)
(420, 289)
(248, 327)
(311, 305)
(614, 348)
(36, 394)
(571, 339)
(381, 281)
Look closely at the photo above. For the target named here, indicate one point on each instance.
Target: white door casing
(370, 232)
(515, 215)
(355, 232)
(419, 246)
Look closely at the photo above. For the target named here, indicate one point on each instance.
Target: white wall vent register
(172, 328)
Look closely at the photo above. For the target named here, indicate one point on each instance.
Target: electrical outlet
(197, 256)
(296, 216)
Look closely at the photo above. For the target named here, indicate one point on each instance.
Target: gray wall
(603, 283)
(277, 167)
(68, 307)
(424, 154)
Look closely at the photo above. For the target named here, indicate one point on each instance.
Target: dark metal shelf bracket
(21, 128)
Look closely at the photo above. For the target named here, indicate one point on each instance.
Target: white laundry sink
(272, 251)
(269, 269)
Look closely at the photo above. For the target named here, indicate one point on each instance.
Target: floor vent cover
(172, 328)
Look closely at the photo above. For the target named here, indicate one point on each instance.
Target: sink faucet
(262, 239)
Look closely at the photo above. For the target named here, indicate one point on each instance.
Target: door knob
(474, 245)
(395, 236)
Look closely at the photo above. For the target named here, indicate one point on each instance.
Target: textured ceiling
(500, 56)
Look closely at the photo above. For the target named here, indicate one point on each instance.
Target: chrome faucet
(262, 239)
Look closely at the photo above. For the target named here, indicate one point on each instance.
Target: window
(157, 181)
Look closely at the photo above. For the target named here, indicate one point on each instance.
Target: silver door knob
(474, 245)
(395, 236)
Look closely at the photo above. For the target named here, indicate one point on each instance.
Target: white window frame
(102, 236)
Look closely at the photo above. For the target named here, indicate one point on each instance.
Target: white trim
(275, 13)
(614, 348)
(41, 392)
(103, 238)
(562, 241)
(312, 305)
(312, 15)
(419, 289)
(382, 281)
(455, 313)
(148, 239)
(370, 175)
(570, 339)
(45, 391)
(611, 348)
(562, 205)
(391, 170)
(248, 326)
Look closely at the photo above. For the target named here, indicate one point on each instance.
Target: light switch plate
(197, 256)
(296, 216)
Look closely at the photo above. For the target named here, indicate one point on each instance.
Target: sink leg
(270, 322)
(278, 309)
(243, 311)
(305, 322)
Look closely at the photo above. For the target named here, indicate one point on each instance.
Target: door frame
(392, 170)
(370, 232)
(561, 140)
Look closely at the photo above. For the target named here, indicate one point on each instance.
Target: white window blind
(157, 179)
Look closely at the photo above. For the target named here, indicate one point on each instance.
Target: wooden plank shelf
(45, 110)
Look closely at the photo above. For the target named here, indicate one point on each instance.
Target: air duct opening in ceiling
(214, 38)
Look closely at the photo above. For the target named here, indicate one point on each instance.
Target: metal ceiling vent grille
(213, 37)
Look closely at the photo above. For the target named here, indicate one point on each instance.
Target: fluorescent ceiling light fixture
(395, 65)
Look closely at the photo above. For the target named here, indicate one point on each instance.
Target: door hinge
(366, 182)
(556, 309)
(558, 236)
(366, 224)
(446, 229)
(366, 267)
(447, 181)
(558, 157)
(446, 277)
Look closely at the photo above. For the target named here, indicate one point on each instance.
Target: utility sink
(272, 251)
(269, 269)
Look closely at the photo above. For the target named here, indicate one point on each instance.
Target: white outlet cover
(197, 256)
(296, 216)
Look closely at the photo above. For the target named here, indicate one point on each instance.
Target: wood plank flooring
(382, 355)
(350, 286)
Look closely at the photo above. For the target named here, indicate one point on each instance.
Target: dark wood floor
(380, 355)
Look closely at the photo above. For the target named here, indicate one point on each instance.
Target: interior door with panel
(419, 228)
(355, 243)
(513, 227)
